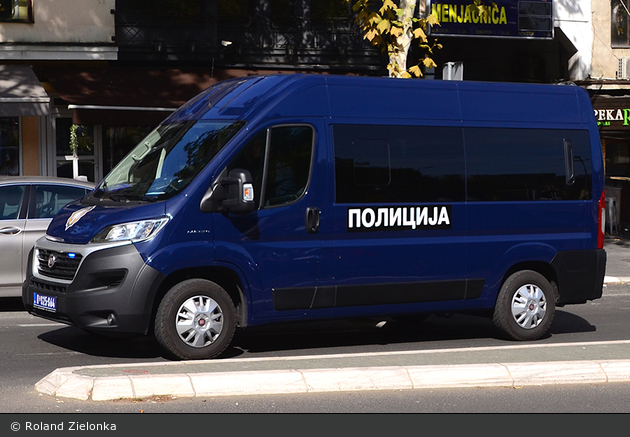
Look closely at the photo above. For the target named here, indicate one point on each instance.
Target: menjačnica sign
(499, 18)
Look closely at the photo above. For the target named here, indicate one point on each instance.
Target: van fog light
(111, 320)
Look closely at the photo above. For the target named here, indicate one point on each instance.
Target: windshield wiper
(141, 198)
(104, 189)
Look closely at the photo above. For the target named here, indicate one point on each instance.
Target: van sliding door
(399, 218)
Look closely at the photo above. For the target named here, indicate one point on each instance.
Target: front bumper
(112, 290)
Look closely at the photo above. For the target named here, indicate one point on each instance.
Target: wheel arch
(535, 256)
(225, 277)
(540, 267)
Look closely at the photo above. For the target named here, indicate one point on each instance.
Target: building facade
(82, 81)
(515, 41)
(609, 87)
(95, 76)
(34, 129)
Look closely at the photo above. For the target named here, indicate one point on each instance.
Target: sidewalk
(618, 258)
(515, 365)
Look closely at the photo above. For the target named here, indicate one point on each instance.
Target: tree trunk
(398, 55)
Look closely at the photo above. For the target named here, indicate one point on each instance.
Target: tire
(525, 306)
(196, 320)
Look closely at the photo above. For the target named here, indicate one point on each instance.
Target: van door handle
(12, 230)
(312, 220)
(569, 169)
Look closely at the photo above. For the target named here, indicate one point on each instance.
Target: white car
(27, 205)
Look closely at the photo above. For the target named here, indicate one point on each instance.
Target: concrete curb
(65, 382)
(616, 280)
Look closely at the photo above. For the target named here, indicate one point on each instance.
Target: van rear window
(526, 164)
(412, 164)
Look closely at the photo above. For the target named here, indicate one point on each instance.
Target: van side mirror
(232, 193)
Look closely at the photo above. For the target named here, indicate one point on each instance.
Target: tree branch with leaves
(393, 27)
(80, 138)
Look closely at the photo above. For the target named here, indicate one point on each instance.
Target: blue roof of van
(349, 97)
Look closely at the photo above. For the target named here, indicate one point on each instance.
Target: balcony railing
(258, 43)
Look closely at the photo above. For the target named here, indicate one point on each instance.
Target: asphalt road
(36, 347)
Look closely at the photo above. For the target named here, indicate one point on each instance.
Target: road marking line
(363, 354)
(434, 351)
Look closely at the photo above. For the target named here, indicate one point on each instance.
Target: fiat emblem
(52, 259)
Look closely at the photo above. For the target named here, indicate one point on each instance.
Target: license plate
(41, 301)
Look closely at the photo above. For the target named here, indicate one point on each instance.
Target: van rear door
(529, 197)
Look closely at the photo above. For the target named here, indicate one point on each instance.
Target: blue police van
(287, 197)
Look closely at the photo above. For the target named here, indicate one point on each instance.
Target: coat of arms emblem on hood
(76, 216)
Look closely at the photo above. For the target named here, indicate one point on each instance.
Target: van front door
(277, 248)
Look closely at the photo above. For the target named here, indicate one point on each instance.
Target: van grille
(58, 265)
(47, 288)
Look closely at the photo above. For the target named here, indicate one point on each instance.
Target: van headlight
(133, 231)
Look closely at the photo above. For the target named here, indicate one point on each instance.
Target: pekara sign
(611, 118)
(612, 113)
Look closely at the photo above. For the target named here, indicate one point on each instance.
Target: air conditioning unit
(624, 68)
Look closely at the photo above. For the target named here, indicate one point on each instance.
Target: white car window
(49, 199)
(10, 201)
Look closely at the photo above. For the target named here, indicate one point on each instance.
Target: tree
(393, 27)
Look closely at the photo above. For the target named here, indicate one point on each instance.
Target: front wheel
(525, 306)
(196, 319)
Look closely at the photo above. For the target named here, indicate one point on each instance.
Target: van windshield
(166, 161)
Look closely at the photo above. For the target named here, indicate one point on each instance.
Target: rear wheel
(525, 306)
(195, 320)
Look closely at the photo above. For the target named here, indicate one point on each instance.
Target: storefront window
(80, 140)
(619, 23)
(617, 159)
(10, 146)
(65, 169)
(16, 10)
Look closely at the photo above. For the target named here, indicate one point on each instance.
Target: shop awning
(21, 93)
(125, 96)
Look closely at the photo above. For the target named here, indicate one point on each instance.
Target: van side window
(382, 164)
(252, 158)
(372, 164)
(526, 164)
(288, 151)
(288, 171)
